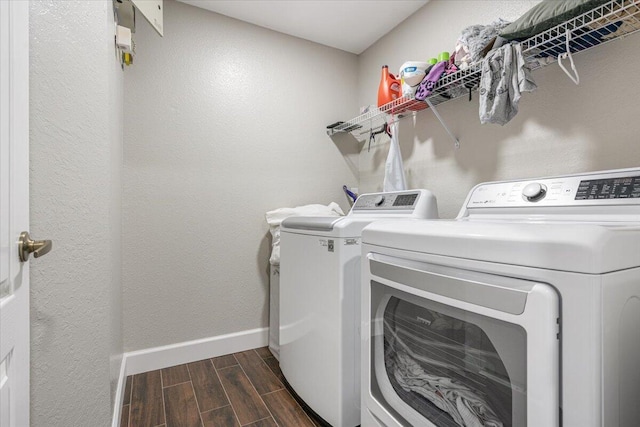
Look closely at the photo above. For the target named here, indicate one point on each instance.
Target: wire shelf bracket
(443, 123)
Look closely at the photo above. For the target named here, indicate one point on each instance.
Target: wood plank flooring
(240, 389)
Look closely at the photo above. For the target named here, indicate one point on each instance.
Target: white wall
(76, 162)
(223, 122)
(562, 128)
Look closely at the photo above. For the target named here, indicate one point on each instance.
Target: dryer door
(452, 347)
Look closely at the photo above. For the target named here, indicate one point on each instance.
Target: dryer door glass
(452, 367)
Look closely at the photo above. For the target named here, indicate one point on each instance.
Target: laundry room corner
(224, 121)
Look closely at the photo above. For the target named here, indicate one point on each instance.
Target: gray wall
(561, 128)
(76, 162)
(223, 122)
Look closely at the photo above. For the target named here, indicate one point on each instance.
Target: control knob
(379, 200)
(534, 192)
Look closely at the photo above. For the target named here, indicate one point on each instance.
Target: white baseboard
(190, 351)
(119, 398)
(151, 359)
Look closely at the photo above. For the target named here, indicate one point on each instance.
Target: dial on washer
(534, 192)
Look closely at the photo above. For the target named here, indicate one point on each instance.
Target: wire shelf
(611, 21)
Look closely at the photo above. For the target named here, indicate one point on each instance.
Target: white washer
(526, 308)
(320, 300)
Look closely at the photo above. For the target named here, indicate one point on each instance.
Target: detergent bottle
(389, 88)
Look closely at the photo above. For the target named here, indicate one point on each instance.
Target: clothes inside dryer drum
(445, 368)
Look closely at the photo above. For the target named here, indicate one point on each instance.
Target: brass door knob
(26, 246)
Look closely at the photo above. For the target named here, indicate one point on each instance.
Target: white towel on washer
(275, 217)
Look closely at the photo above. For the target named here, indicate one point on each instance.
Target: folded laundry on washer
(461, 403)
(505, 75)
(275, 217)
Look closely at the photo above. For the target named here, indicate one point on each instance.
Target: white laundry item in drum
(463, 405)
(275, 217)
(394, 169)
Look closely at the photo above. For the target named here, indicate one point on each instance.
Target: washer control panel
(600, 188)
(406, 200)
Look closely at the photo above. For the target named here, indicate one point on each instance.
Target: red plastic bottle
(389, 88)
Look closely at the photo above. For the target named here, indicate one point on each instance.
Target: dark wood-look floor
(240, 389)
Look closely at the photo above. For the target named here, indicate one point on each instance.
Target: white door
(14, 213)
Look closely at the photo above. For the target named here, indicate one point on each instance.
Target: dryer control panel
(620, 187)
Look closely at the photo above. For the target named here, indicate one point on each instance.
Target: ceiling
(350, 25)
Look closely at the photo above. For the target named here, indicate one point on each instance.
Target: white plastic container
(411, 74)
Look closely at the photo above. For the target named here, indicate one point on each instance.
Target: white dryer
(320, 300)
(524, 311)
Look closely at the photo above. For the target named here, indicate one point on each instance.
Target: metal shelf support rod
(442, 122)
